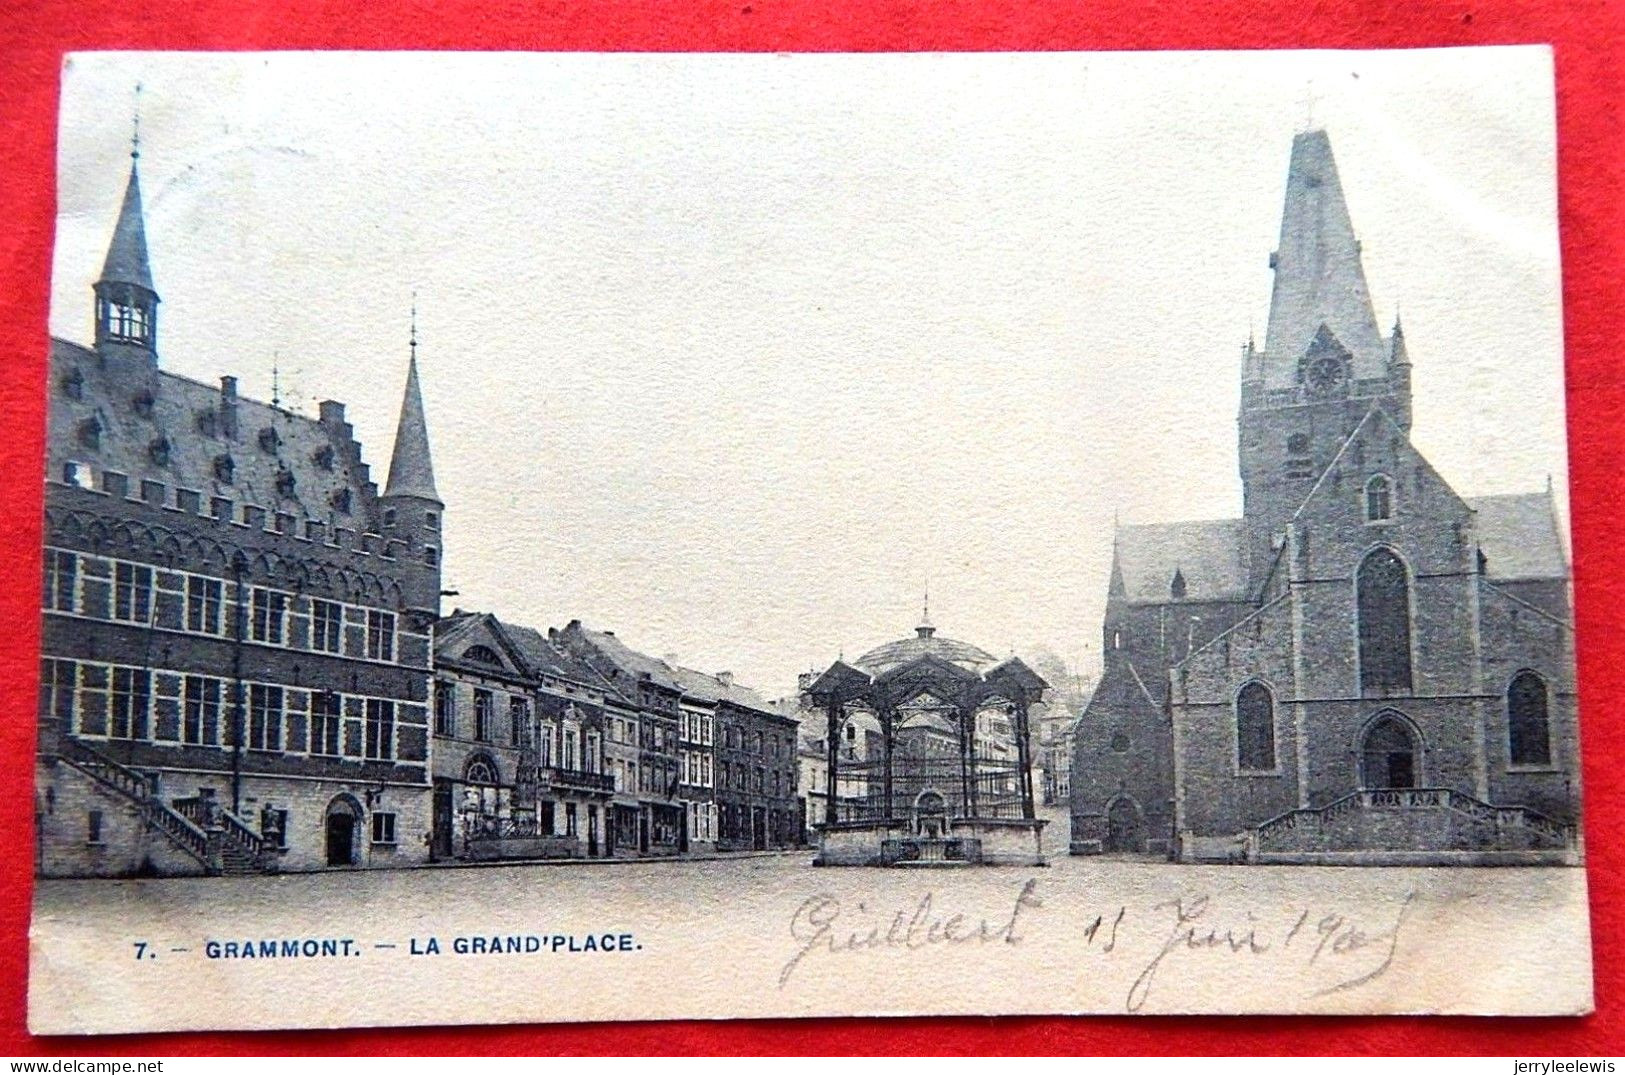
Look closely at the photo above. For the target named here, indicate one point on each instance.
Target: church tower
(410, 508)
(126, 302)
(1324, 362)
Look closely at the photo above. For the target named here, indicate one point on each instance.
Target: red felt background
(1587, 36)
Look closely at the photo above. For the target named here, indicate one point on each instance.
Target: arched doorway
(931, 815)
(1124, 831)
(343, 819)
(1390, 754)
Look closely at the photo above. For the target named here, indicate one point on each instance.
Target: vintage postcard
(593, 537)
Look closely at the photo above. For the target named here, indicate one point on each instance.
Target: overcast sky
(730, 353)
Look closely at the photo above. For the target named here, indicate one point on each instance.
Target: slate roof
(411, 472)
(704, 687)
(547, 659)
(630, 661)
(1208, 554)
(176, 436)
(1319, 279)
(1519, 536)
(127, 252)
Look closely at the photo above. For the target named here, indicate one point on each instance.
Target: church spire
(1319, 280)
(411, 473)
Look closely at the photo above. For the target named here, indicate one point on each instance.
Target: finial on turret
(1309, 99)
(412, 334)
(276, 380)
(135, 125)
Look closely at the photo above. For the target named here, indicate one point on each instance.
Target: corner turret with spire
(126, 301)
(410, 507)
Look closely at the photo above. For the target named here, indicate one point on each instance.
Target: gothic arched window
(1255, 729)
(480, 771)
(1379, 500)
(1383, 594)
(1528, 732)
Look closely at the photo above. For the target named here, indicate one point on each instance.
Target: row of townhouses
(245, 667)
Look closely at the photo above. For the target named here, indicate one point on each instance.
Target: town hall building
(236, 638)
(1366, 666)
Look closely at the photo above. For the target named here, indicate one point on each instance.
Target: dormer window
(158, 451)
(143, 404)
(208, 423)
(389, 518)
(225, 468)
(340, 501)
(1177, 586)
(90, 433)
(269, 441)
(73, 384)
(323, 457)
(284, 483)
(1379, 500)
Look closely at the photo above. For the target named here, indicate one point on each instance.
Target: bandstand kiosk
(944, 777)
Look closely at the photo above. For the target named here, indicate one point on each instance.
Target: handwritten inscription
(1332, 936)
(822, 924)
(1340, 950)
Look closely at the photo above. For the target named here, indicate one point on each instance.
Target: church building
(1366, 666)
(236, 636)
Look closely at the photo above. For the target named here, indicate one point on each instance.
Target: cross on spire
(135, 125)
(412, 336)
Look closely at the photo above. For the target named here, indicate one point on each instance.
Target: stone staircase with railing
(1420, 825)
(218, 841)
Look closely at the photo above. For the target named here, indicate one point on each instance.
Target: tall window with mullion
(483, 708)
(326, 718)
(131, 703)
(518, 722)
(326, 626)
(380, 635)
(268, 610)
(203, 603)
(61, 581)
(380, 743)
(265, 718)
(58, 681)
(200, 715)
(132, 593)
(445, 708)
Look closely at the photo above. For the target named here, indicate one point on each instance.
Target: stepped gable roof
(411, 471)
(127, 261)
(1207, 554)
(1519, 536)
(1319, 278)
(925, 643)
(167, 428)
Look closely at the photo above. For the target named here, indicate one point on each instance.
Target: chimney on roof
(725, 678)
(228, 389)
(804, 682)
(331, 412)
